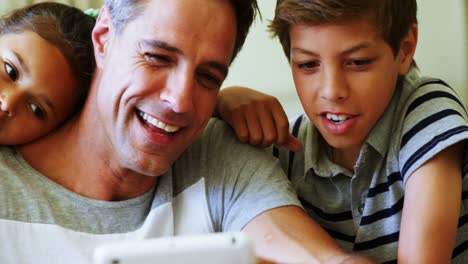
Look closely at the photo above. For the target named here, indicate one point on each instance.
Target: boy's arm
(257, 118)
(287, 235)
(431, 209)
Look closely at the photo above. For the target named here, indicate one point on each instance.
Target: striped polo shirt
(362, 210)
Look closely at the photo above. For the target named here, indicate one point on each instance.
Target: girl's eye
(308, 65)
(11, 71)
(37, 111)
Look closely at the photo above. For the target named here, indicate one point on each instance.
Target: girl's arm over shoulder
(431, 209)
(257, 118)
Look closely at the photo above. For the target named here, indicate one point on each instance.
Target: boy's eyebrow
(221, 67)
(361, 46)
(21, 62)
(352, 49)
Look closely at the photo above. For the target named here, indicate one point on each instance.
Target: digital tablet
(226, 248)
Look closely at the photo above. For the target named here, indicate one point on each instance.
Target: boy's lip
(335, 128)
(324, 113)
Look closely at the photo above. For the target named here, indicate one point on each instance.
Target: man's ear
(408, 49)
(102, 35)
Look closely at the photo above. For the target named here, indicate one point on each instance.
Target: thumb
(293, 143)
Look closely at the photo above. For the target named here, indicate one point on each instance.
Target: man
(135, 163)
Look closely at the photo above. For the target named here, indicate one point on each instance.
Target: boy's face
(345, 76)
(37, 88)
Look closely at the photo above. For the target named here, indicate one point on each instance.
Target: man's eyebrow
(21, 62)
(221, 67)
(47, 101)
(160, 45)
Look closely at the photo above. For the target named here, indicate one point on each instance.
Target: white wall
(443, 42)
(442, 52)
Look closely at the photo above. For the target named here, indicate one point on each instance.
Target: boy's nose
(334, 86)
(9, 100)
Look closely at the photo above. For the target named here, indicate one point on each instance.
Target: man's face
(159, 79)
(345, 76)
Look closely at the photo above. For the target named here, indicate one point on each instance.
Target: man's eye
(37, 111)
(157, 59)
(209, 80)
(11, 71)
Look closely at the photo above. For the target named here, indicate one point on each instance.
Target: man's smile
(157, 123)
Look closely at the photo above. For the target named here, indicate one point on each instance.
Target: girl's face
(37, 88)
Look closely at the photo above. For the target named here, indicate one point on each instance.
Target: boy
(381, 165)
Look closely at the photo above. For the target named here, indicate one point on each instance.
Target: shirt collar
(317, 155)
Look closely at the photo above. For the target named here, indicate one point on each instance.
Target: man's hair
(67, 28)
(392, 18)
(124, 11)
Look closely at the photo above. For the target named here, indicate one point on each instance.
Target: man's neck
(78, 157)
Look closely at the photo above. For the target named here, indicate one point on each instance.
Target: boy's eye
(359, 63)
(11, 71)
(37, 111)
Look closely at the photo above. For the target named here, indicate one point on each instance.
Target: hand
(349, 259)
(257, 118)
(263, 261)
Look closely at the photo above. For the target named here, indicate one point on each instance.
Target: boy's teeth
(337, 118)
(157, 123)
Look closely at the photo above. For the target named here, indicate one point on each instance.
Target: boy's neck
(346, 157)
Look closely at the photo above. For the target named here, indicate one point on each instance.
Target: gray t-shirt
(217, 185)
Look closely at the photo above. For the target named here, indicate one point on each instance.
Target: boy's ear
(102, 35)
(408, 49)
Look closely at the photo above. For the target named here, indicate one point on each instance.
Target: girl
(45, 69)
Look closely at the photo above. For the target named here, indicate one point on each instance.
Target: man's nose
(179, 92)
(9, 99)
(334, 85)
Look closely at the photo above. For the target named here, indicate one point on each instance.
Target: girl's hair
(392, 18)
(67, 28)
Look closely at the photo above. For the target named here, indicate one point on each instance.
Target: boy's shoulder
(429, 117)
(414, 85)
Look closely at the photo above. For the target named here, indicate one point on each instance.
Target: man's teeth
(157, 123)
(337, 118)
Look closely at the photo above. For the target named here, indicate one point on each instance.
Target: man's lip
(157, 122)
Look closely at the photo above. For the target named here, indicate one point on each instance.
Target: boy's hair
(124, 11)
(67, 28)
(392, 18)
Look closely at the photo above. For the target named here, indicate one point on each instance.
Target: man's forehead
(182, 22)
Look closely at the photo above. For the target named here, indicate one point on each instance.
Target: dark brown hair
(124, 11)
(67, 28)
(392, 18)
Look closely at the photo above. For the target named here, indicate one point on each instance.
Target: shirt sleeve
(242, 181)
(434, 119)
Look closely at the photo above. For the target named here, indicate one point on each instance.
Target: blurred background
(442, 50)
